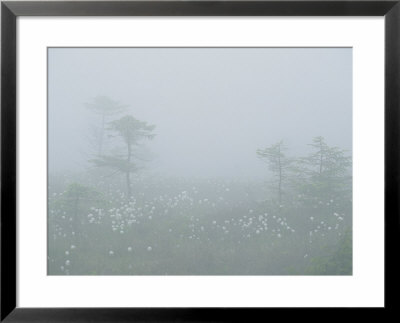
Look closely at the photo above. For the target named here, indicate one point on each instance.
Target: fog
(212, 107)
(199, 161)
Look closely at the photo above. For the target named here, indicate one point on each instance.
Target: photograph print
(199, 161)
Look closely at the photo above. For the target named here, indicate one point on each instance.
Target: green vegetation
(298, 224)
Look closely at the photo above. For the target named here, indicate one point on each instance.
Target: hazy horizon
(212, 107)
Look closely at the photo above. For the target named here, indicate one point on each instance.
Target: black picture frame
(11, 10)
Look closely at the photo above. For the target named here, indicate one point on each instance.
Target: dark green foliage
(338, 261)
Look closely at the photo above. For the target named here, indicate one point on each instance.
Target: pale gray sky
(212, 107)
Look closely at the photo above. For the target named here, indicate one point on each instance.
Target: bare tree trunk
(75, 222)
(320, 160)
(128, 172)
(101, 135)
(128, 184)
(280, 176)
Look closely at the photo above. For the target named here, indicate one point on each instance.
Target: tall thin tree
(278, 163)
(132, 132)
(105, 108)
(327, 169)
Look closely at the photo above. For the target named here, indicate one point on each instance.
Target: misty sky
(212, 107)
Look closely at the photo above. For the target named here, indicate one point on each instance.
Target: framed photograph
(198, 160)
